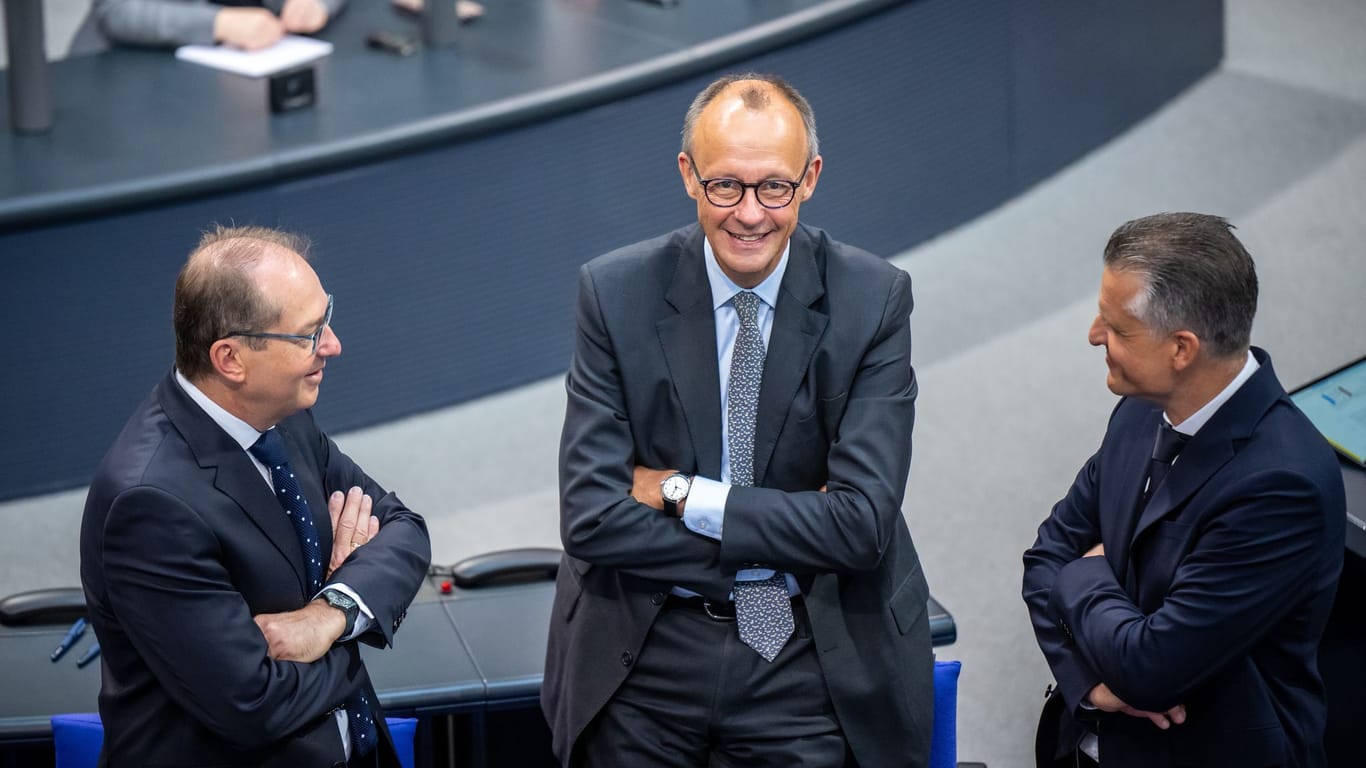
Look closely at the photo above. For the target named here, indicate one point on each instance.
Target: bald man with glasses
(739, 585)
(232, 556)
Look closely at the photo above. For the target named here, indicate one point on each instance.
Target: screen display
(1336, 404)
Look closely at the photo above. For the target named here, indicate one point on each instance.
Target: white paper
(291, 51)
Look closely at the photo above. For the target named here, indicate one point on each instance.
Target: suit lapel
(235, 475)
(796, 330)
(1133, 464)
(1215, 444)
(689, 342)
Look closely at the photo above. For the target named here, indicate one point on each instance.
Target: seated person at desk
(232, 556)
(245, 24)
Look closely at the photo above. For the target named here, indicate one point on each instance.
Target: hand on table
(247, 28)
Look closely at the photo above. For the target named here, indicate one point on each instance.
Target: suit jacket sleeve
(600, 521)
(171, 22)
(1251, 564)
(866, 463)
(176, 601)
(1070, 530)
(388, 571)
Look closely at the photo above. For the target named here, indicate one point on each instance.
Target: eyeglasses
(727, 193)
(312, 337)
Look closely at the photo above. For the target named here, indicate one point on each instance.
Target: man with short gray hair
(1180, 588)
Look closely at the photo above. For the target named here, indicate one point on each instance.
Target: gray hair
(1196, 276)
(756, 98)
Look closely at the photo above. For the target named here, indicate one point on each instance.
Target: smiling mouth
(748, 238)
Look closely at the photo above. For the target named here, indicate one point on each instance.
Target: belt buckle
(706, 606)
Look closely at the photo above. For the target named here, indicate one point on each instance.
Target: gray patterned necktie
(763, 609)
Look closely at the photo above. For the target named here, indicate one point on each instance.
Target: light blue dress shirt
(705, 512)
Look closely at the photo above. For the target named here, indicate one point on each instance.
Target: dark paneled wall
(453, 267)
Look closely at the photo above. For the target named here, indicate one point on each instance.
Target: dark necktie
(1168, 444)
(763, 608)
(269, 449)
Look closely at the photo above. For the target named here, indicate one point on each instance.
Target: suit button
(657, 598)
(626, 658)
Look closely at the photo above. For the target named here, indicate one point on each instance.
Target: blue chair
(78, 739)
(944, 739)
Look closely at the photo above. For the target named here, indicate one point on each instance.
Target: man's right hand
(247, 28)
(302, 635)
(1102, 698)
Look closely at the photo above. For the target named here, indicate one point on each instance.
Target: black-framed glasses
(312, 337)
(727, 193)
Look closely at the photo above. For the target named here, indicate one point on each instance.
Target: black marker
(72, 635)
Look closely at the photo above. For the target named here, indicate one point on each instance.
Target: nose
(748, 211)
(1096, 336)
(330, 344)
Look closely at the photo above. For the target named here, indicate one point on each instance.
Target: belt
(714, 610)
(723, 611)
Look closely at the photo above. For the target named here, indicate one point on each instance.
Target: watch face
(675, 488)
(339, 599)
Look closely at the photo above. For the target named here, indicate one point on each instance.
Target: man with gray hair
(1180, 588)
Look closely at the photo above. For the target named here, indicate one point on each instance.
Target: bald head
(216, 292)
(751, 93)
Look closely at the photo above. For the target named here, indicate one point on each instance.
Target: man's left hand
(1096, 551)
(303, 16)
(302, 635)
(352, 524)
(1102, 698)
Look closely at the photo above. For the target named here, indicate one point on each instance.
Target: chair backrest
(944, 740)
(78, 738)
(403, 730)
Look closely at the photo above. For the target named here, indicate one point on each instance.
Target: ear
(226, 357)
(813, 174)
(1187, 350)
(685, 170)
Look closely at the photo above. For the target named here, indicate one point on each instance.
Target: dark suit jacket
(181, 544)
(1214, 597)
(836, 406)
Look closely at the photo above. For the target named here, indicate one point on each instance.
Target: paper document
(291, 51)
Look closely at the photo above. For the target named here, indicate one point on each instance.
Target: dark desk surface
(135, 126)
(470, 650)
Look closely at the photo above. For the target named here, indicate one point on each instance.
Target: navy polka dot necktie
(763, 608)
(269, 449)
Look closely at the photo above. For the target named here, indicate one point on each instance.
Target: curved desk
(452, 195)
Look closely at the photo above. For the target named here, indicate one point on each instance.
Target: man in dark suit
(1180, 601)
(232, 556)
(739, 585)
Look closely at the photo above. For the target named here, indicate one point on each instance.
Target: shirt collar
(1197, 420)
(240, 431)
(723, 289)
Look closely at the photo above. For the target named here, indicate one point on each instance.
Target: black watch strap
(347, 605)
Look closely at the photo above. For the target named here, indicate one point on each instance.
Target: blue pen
(72, 635)
(89, 655)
